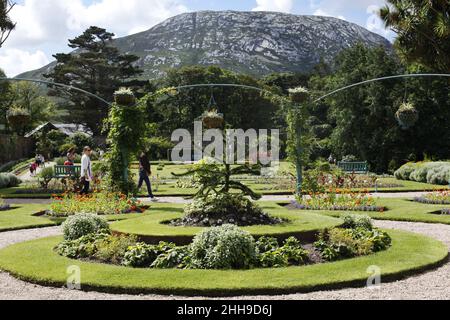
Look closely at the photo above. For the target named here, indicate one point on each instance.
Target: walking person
(144, 173)
(86, 170)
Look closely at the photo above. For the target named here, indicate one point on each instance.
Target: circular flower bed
(219, 209)
(225, 247)
(36, 261)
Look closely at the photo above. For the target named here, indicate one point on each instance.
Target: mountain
(257, 43)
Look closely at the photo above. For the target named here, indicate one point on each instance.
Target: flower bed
(438, 197)
(218, 209)
(337, 200)
(225, 247)
(100, 203)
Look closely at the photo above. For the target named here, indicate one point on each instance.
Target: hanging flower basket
(213, 120)
(407, 115)
(18, 117)
(299, 94)
(124, 97)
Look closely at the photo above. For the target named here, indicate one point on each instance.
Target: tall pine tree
(97, 67)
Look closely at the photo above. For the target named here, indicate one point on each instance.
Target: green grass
(36, 262)
(399, 209)
(150, 228)
(23, 217)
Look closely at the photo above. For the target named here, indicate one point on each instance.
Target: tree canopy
(423, 29)
(97, 67)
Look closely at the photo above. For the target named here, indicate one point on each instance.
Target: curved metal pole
(58, 85)
(413, 75)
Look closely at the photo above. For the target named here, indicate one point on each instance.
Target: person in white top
(86, 170)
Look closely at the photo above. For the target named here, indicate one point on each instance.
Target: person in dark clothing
(144, 173)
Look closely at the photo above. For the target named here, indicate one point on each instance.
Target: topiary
(82, 224)
(225, 247)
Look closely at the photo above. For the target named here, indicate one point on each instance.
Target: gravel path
(430, 285)
(181, 200)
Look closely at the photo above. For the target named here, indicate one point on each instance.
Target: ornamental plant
(437, 197)
(99, 203)
(407, 115)
(126, 127)
(83, 224)
(225, 247)
(337, 199)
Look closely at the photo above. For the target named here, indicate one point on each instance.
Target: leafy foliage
(225, 247)
(98, 67)
(82, 224)
(423, 31)
(126, 132)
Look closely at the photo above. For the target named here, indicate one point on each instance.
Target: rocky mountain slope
(257, 43)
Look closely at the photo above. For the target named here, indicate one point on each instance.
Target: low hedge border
(36, 262)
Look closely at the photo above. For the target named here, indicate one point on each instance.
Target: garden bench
(67, 171)
(354, 167)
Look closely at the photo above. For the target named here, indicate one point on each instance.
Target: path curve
(434, 284)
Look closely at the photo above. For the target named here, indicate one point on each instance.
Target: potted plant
(407, 115)
(212, 119)
(299, 94)
(124, 96)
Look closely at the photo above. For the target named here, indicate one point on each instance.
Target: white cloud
(46, 25)
(341, 9)
(320, 12)
(274, 5)
(15, 61)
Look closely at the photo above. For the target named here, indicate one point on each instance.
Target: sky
(44, 26)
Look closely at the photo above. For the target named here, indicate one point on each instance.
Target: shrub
(225, 247)
(339, 243)
(9, 180)
(112, 249)
(353, 221)
(45, 177)
(140, 255)
(426, 172)
(218, 209)
(177, 257)
(83, 247)
(81, 140)
(404, 172)
(83, 224)
(265, 244)
(273, 256)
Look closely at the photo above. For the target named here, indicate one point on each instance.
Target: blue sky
(43, 26)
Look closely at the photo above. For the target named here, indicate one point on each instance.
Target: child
(33, 168)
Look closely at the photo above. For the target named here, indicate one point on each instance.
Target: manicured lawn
(400, 209)
(23, 217)
(36, 262)
(150, 227)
